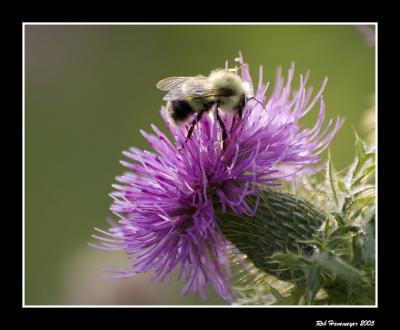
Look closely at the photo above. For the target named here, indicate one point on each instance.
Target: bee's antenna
(253, 98)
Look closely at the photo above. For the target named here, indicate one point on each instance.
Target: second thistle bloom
(167, 200)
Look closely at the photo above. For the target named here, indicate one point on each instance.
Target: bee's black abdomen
(179, 110)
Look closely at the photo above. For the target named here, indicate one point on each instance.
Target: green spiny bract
(313, 245)
(282, 223)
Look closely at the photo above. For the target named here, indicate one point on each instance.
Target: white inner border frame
(194, 23)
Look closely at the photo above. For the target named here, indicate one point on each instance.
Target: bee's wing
(196, 87)
(171, 82)
(216, 92)
(196, 91)
(188, 93)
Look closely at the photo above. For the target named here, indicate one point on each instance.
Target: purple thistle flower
(167, 200)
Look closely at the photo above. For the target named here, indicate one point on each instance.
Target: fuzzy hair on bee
(221, 90)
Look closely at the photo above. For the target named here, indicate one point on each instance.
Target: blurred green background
(89, 89)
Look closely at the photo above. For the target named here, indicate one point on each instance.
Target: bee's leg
(224, 134)
(191, 128)
(193, 124)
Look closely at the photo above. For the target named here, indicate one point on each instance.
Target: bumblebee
(222, 90)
